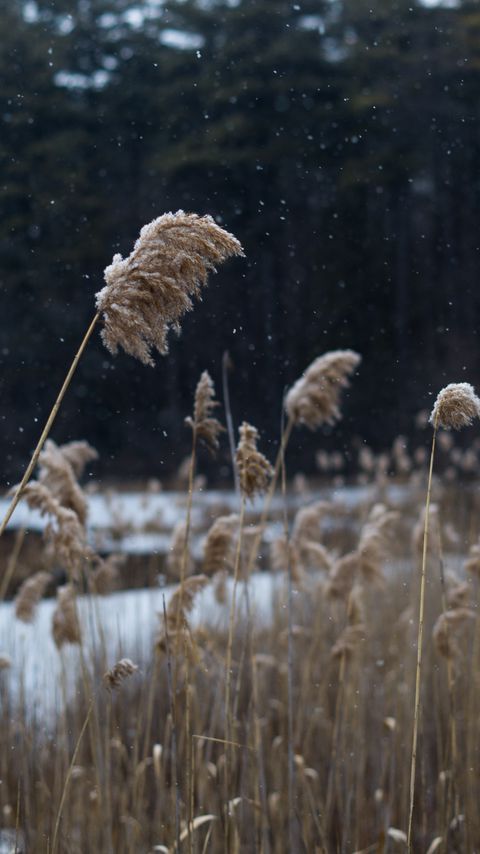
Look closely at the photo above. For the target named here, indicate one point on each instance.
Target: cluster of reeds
(343, 717)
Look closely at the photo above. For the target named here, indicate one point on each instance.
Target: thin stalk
(174, 734)
(268, 500)
(228, 683)
(12, 562)
(416, 713)
(291, 764)
(69, 774)
(226, 364)
(46, 430)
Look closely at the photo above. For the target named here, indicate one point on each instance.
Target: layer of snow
(129, 621)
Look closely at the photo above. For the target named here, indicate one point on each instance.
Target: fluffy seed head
(178, 609)
(29, 596)
(314, 399)
(446, 628)
(203, 424)
(57, 474)
(78, 454)
(254, 470)
(65, 625)
(120, 671)
(219, 549)
(147, 293)
(456, 406)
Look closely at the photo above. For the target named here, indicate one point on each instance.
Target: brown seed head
(147, 293)
(456, 406)
(203, 424)
(254, 470)
(65, 625)
(314, 400)
(29, 596)
(446, 628)
(219, 549)
(120, 671)
(57, 474)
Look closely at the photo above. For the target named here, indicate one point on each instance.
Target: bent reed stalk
(48, 426)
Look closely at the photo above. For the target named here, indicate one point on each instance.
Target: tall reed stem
(46, 430)
(416, 713)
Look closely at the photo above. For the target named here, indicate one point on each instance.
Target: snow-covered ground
(142, 523)
(129, 622)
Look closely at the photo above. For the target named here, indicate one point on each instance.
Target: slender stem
(69, 774)
(228, 683)
(268, 500)
(12, 563)
(174, 733)
(291, 765)
(46, 430)
(416, 712)
(226, 364)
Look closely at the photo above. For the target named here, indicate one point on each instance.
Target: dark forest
(339, 141)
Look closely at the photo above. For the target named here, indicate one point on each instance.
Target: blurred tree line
(338, 140)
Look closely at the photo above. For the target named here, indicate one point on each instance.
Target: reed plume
(314, 399)
(219, 548)
(254, 470)
(104, 578)
(446, 628)
(56, 472)
(179, 607)
(374, 542)
(456, 406)
(29, 595)
(204, 426)
(148, 292)
(176, 557)
(63, 533)
(114, 678)
(78, 454)
(65, 625)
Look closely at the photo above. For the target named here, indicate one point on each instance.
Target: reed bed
(342, 719)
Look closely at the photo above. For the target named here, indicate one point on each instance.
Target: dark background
(339, 141)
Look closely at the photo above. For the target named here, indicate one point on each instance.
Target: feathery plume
(204, 426)
(472, 563)
(78, 454)
(219, 548)
(457, 592)
(445, 629)
(105, 577)
(120, 671)
(373, 543)
(456, 406)
(342, 576)
(65, 625)
(254, 470)
(147, 293)
(314, 399)
(29, 595)
(308, 520)
(349, 641)
(64, 532)
(179, 607)
(57, 474)
(175, 552)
